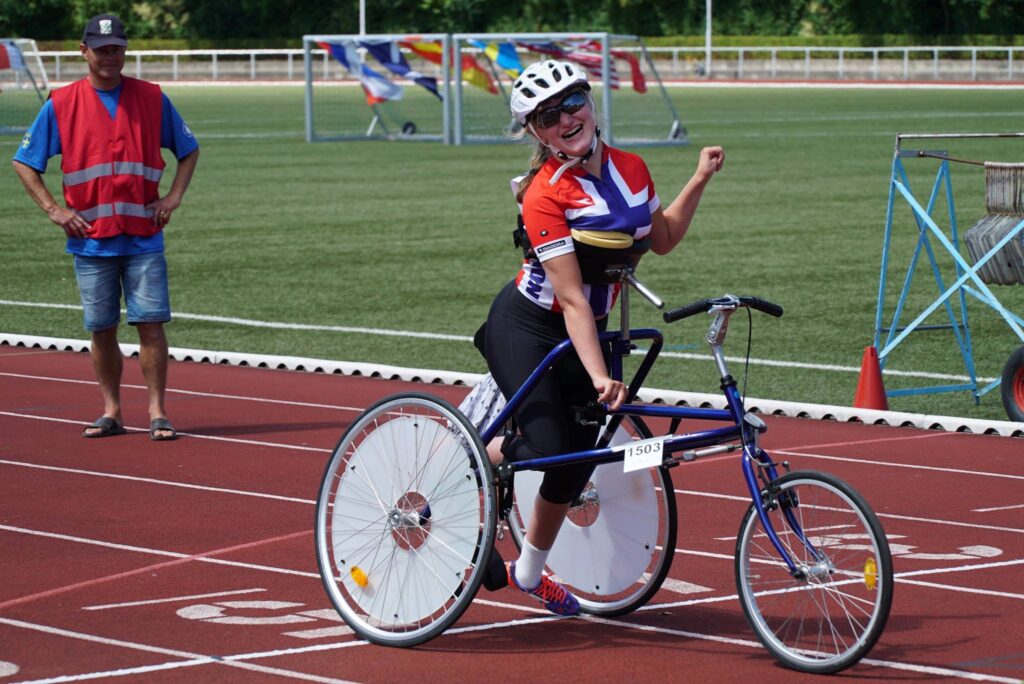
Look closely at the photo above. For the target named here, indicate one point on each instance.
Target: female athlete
(578, 187)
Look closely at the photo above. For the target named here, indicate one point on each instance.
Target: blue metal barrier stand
(960, 328)
(983, 293)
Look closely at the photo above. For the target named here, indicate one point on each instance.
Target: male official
(109, 130)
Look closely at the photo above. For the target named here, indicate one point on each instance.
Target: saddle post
(626, 276)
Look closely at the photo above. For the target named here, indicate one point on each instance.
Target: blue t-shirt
(42, 141)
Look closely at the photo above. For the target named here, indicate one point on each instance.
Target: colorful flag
(390, 56)
(588, 55)
(430, 51)
(635, 72)
(10, 56)
(502, 54)
(471, 69)
(592, 63)
(378, 87)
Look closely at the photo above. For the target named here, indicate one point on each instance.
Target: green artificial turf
(416, 236)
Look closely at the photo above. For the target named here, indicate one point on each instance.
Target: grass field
(416, 237)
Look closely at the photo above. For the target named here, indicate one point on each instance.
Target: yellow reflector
(358, 576)
(870, 573)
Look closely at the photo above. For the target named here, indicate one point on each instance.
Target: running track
(193, 560)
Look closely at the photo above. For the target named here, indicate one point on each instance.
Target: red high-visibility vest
(112, 167)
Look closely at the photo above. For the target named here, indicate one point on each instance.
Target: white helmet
(540, 81)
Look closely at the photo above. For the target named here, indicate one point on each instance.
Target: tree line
(281, 21)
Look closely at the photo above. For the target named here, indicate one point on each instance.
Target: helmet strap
(573, 161)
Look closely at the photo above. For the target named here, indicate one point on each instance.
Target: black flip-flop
(161, 424)
(107, 427)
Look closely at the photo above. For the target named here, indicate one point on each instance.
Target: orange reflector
(870, 573)
(358, 576)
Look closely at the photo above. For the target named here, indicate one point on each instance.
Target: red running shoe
(553, 595)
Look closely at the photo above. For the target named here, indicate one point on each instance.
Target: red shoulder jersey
(622, 199)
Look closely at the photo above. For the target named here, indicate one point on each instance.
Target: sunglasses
(570, 104)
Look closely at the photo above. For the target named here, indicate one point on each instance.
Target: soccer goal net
(455, 88)
(23, 84)
(633, 105)
(376, 86)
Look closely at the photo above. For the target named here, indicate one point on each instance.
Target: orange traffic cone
(870, 389)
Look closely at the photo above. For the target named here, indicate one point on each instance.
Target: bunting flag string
(378, 87)
(503, 55)
(10, 56)
(588, 55)
(390, 56)
(472, 72)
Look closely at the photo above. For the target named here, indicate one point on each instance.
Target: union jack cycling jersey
(622, 199)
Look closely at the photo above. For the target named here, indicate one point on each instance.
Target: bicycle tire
(1012, 386)
(618, 570)
(405, 513)
(831, 618)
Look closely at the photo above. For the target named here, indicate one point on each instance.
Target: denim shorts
(141, 277)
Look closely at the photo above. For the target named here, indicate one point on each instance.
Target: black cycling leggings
(519, 334)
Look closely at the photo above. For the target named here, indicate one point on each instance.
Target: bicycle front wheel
(404, 517)
(830, 616)
(616, 545)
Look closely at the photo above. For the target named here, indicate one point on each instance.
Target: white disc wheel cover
(605, 548)
(411, 565)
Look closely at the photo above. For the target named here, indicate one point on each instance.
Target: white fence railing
(937, 63)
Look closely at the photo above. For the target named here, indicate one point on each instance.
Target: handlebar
(721, 303)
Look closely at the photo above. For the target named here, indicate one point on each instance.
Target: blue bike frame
(739, 428)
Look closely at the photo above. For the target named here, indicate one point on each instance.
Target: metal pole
(362, 17)
(707, 38)
(606, 86)
(307, 67)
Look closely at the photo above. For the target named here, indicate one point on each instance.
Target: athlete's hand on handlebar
(610, 392)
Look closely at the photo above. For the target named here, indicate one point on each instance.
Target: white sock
(530, 564)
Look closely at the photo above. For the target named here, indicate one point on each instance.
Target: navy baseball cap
(104, 29)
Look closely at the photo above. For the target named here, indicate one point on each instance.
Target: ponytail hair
(541, 153)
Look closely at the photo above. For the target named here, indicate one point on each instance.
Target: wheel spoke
(400, 502)
(829, 616)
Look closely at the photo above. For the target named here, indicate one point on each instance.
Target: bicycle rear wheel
(404, 516)
(616, 545)
(828, 619)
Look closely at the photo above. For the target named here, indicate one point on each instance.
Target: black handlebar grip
(765, 306)
(687, 310)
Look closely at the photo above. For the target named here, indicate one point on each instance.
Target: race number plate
(647, 453)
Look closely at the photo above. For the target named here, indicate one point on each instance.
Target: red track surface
(193, 560)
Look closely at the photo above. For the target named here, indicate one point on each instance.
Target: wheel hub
(586, 507)
(409, 521)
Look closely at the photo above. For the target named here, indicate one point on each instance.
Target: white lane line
(150, 480)
(720, 556)
(997, 508)
(909, 466)
(888, 516)
(251, 323)
(192, 659)
(177, 557)
(190, 435)
(909, 667)
(901, 577)
(905, 437)
(694, 635)
(192, 393)
(311, 502)
(965, 590)
(174, 599)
